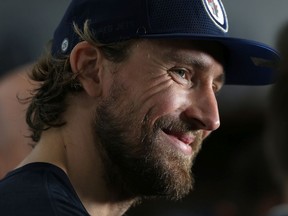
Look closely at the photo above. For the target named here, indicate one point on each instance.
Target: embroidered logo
(217, 14)
(213, 7)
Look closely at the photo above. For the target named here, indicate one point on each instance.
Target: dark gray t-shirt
(39, 189)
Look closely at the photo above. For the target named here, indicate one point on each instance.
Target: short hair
(57, 80)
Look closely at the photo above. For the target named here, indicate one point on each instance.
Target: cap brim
(248, 62)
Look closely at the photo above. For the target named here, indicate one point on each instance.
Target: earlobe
(85, 59)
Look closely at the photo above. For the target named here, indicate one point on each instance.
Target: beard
(137, 160)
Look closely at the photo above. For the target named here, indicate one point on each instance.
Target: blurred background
(231, 173)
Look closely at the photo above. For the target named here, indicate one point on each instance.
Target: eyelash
(183, 75)
(188, 77)
(215, 89)
(186, 72)
(181, 70)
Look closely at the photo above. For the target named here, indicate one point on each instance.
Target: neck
(73, 149)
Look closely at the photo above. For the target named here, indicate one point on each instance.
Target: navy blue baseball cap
(248, 62)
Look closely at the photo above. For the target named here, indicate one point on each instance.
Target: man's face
(160, 107)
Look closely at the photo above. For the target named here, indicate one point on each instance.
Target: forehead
(174, 47)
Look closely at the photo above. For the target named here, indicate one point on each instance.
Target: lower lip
(185, 148)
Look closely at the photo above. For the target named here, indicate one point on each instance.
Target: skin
(14, 143)
(164, 90)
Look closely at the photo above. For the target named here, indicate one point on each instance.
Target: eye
(181, 72)
(181, 75)
(216, 88)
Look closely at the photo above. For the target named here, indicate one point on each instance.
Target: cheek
(166, 101)
(150, 91)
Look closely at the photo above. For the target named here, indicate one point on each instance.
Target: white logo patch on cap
(217, 13)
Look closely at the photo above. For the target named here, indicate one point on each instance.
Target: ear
(85, 59)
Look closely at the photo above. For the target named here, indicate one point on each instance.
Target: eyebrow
(176, 57)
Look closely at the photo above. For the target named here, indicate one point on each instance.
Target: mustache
(175, 124)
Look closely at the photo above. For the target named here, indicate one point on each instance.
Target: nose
(202, 111)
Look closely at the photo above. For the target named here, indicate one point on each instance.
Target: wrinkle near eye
(159, 84)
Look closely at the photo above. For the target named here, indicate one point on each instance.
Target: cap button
(64, 45)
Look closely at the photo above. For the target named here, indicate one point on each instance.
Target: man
(126, 97)
(15, 143)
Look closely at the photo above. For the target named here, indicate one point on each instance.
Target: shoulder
(39, 189)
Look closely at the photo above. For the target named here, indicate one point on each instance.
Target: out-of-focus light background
(231, 173)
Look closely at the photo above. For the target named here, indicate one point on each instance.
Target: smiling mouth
(181, 140)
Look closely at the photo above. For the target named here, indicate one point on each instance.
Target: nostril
(202, 117)
(196, 123)
(210, 125)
